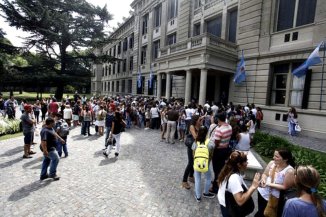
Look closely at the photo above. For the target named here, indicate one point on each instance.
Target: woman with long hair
(231, 180)
(201, 139)
(189, 171)
(278, 175)
(292, 121)
(309, 203)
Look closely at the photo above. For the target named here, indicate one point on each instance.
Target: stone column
(168, 85)
(202, 88)
(159, 86)
(188, 87)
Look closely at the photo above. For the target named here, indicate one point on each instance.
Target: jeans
(224, 211)
(262, 203)
(128, 121)
(155, 123)
(189, 171)
(171, 127)
(218, 161)
(198, 180)
(117, 144)
(63, 147)
(107, 134)
(51, 160)
(86, 127)
(291, 127)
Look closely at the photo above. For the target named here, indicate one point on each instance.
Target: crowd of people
(217, 138)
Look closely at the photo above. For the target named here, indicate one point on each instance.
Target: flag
(240, 74)
(139, 78)
(313, 59)
(150, 77)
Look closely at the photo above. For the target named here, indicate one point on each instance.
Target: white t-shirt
(67, 113)
(154, 112)
(235, 182)
(189, 113)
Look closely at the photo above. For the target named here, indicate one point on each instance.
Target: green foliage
(266, 144)
(9, 126)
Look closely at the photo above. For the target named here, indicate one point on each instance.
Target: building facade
(190, 49)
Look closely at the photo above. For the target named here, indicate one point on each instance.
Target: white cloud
(118, 8)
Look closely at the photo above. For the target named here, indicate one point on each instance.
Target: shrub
(266, 144)
(9, 126)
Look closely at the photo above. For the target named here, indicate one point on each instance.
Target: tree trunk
(59, 92)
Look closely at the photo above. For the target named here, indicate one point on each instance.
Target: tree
(60, 29)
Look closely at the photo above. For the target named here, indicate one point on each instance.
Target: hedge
(9, 126)
(265, 145)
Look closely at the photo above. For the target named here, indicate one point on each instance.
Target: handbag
(233, 208)
(297, 128)
(284, 196)
(272, 204)
(189, 140)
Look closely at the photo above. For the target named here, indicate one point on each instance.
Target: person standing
(87, 118)
(67, 114)
(28, 123)
(172, 116)
(116, 130)
(37, 109)
(44, 109)
(309, 203)
(259, 117)
(50, 154)
(292, 121)
(222, 151)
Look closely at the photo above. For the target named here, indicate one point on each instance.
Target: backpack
(64, 128)
(201, 157)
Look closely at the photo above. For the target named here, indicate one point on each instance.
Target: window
(119, 48)
(110, 53)
(197, 4)
(131, 64)
(123, 86)
(131, 41)
(106, 70)
(119, 67)
(232, 35)
(125, 44)
(145, 23)
(104, 86)
(294, 13)
(172, 39)
(157, 15)
(110, 69)
(143, 55)
(124, 65)
(117, 87)
(140, 90)
(289, 90)
(93, 74)
(109, 86)
(156, 48)
(214, 26)
(113, 71)
(129, 86)
(196, 29)
(114, 51)
(112, 86)
(172, 9)
(103, 71)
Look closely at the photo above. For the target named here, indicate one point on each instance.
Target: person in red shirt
(53, 107)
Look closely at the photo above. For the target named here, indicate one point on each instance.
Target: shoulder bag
(272, 204)
(233, 208)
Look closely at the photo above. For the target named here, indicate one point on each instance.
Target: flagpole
(322, 78)
(247, 91)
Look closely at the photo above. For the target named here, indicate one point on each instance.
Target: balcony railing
(197, 42)
(211, 3)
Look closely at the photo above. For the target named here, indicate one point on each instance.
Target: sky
(118, 8)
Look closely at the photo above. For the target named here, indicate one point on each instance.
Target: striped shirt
(223, 134)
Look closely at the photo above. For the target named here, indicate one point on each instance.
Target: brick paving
(144, 181)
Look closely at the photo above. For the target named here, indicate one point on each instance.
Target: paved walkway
(304, 141)
(144, 181)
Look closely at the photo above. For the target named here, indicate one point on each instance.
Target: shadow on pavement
(9, 163)
(34, 161)
(13, 151)
(107, 161)
(26, 190)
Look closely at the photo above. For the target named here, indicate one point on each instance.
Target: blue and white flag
(150, 77)
(240, 74)
(313, 59)
(139, 78)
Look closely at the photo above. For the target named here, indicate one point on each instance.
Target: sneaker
(186, 185)
(191, 179)
(208, 195)
(24, 156)
(181, 140)
(213, 190)
(55, 177)
(44, 177)
(116, 154)
(32, 152)
(197, 199)
(105, 154)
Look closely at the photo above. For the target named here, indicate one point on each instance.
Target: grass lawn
(32, 95)
(10, 136)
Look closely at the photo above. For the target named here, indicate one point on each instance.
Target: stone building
(193, 47)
